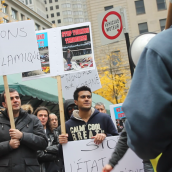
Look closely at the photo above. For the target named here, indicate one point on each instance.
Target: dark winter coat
(65, 55)
(24, 158)
(49, 158)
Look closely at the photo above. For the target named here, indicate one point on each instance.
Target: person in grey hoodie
(148, 105)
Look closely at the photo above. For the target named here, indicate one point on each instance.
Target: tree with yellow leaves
(114, 77)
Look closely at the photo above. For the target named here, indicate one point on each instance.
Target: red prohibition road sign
(118, 30)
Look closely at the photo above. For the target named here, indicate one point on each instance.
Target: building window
(140, 8)
(37, 27)
(143, 27)
(26, 2)
(30, 1)
(58, 14)
(52, 15)
(161, 4)
(51, 8)
(5, 20)
(4, 8)
(59, 21)
(162, 24)
(115, 56)
(53, 22)
(108, 7)
(47, 16)
(14, 14)
(57, 6)
(46, 9)
(22, 17)
(66, 5)
(45, 2)
(50, 1)
(56, 0)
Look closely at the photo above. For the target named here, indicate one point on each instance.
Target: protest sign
(77, 47)
(18, 47)
(74, 80)
(19, 53)
(64, 50)
(89, 157)
(51, 65)
(118, 116)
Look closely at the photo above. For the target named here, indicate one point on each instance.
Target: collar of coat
(23, 119)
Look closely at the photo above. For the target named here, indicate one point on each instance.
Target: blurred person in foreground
(148, 105)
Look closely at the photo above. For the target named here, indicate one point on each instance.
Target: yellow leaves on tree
(114, 78)
(2, 6)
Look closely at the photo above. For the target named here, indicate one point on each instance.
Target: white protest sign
(18, 47)
(49, 42)
(111, 26)
(74, 80)
(85, 156)
(63, 50)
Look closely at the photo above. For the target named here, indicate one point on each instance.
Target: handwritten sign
(18, 47)
(89, 157)
(72, 81)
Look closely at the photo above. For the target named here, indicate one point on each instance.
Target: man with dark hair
(18, 146)
(48, 158)
(90, 123)
(43, 114)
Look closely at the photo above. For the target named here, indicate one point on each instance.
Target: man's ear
(4, 104)
(76, 102)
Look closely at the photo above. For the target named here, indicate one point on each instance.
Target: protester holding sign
(87, 122)
(18, 146)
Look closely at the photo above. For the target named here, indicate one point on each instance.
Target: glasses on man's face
(84, 96)
(72, 108)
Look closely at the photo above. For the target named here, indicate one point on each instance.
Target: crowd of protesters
(36, 143)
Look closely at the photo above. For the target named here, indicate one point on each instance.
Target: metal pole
(128, 49)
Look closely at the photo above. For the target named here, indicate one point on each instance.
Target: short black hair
(41, 108)
(83, 88)
(11, 90)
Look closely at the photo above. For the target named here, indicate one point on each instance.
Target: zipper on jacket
(2, 126)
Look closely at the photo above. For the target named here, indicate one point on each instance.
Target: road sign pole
(128, 49)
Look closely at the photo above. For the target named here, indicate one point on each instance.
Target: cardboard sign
(18, 47)
(89, 157)
(72, 81)
(111, 26)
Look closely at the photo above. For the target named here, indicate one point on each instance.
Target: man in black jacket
(18, 146)
(48, 158)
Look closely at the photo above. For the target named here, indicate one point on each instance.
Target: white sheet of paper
(74, 80)
(85, 156)
(18, 47)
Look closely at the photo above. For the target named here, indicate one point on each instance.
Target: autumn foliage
(114, 77)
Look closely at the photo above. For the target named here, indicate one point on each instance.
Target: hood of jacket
(67, 103)
(75, 115)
